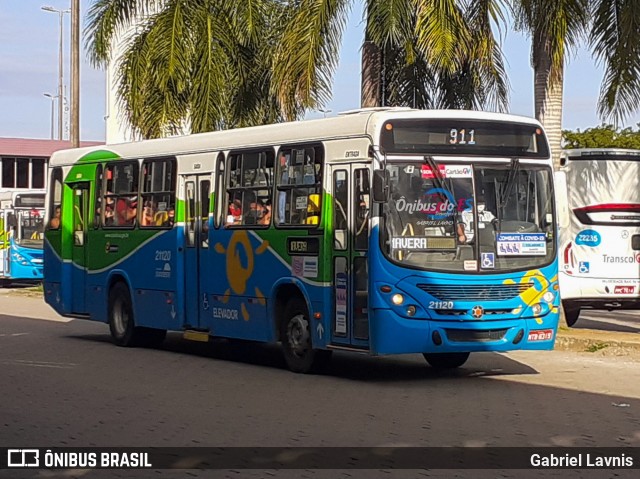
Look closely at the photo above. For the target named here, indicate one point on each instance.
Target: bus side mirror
(380, 186)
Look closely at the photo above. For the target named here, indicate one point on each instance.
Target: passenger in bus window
(235, 213)
(266, 218)
(55, 221)
(126, 211)
(148, 213)
(108, 215)
(171, 216)
(258, 213)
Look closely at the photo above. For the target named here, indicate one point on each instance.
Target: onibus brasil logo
(437, 204)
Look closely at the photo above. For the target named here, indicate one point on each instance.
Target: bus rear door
(196, 246)
(81, 218)
(350, 240)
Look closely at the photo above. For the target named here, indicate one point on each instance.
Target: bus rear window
(464, 137)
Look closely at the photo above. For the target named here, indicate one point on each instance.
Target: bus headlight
(397, 299)
(536, 308)
(549, 297)
(411, 310)
(20, 259)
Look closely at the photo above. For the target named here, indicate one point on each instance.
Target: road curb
(604, 342)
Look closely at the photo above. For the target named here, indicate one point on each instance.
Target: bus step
(192, 335)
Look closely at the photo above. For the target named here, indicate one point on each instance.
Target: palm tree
(557, 26)
(215, 64)
(420, 53)
(200, 63)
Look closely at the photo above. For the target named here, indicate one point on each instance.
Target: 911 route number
(440, 304)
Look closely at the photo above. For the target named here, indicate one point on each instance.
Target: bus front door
(197, 190)
(350, 244)
(4, 244)
(81, 215)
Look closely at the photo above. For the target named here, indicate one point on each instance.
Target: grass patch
(35, 291)
(594, 348)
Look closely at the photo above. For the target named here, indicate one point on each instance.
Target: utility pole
(75, 73)
(60, 63)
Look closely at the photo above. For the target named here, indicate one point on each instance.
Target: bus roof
(601, 154)
(363, 122)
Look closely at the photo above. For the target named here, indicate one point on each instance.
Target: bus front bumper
(391, 334)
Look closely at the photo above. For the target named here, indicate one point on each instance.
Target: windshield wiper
(506, 191)
(511, 180)
(436, 174)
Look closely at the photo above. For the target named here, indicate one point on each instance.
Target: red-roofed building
(24, 160)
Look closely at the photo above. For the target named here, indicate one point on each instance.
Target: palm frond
(106, 18)
(307, 54)
(616, 44)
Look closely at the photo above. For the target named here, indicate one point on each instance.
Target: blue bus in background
(21, 235)
(379, 231)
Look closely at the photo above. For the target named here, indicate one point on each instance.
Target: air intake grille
(475, 336)
(492, 292)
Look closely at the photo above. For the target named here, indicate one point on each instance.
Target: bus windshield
(30, 228)
(469, 217)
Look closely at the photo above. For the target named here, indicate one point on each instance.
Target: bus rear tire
(121, 321)
(571, 313)
(446, 360)
(295, 334)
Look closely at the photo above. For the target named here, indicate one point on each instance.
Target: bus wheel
(121, 323)
(446, 360)
(295, 334)
(571, 313)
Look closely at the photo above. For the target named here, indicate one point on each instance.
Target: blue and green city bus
(380, 231)
(21, 235)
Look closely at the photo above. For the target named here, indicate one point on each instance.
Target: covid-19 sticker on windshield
(521, 244)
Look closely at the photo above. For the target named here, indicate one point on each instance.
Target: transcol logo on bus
(621, 259)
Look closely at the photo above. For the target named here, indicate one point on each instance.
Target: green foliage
(603, 136)
(216, 64)
(594, 348)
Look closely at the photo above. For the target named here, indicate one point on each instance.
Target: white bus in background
(599, 230)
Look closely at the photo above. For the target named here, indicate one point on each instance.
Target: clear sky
(29, 40)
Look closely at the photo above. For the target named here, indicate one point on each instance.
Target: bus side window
(158, 193)
(299, 186)
(340, 203)
(55, 200)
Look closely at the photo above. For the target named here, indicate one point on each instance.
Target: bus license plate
(541, 335)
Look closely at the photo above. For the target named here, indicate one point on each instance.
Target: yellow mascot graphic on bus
(239, 274)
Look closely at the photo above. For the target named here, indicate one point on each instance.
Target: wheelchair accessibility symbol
(488, 260)
(583, 267)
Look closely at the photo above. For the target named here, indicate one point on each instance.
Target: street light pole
(61, 13)
(52, 98)
(75, 74)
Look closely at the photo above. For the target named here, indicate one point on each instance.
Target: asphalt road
(64, 384)
(625, 321)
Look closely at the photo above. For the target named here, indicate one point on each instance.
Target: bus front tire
(571, 314)
(122, 324)
(295, 334)
(446, 360)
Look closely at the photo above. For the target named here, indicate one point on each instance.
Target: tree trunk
(370, 86)
(548, 101)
